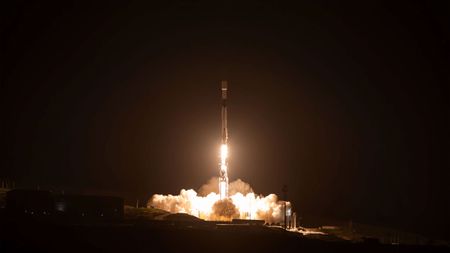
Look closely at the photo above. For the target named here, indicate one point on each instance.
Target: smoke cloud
(243, 203)
(234, 187)
(224, 210)
(211, 186)
(239, 186)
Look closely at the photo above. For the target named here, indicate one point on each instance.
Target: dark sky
(347, 104)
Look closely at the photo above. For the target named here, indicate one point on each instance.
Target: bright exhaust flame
(223, 153)
(242, 203)
(223, 158)
(223, 180)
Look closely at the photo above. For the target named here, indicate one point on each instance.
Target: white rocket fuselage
(224, 112)
(223, 178)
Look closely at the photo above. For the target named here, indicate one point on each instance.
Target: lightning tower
(223, 165)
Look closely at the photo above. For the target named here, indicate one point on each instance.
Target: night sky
(347, 104)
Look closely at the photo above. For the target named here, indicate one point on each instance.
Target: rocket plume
(220, 200)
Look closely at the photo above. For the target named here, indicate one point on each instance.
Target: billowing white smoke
(234, 187)
(242, 203)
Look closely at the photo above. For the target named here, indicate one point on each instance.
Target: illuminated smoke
(242, 203)
(234, 187)
(211, 186)
(224, 209)
(239, 186)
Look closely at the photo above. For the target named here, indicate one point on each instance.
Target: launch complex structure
(223, 165)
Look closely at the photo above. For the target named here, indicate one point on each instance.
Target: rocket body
(224, 112)
(223, 165)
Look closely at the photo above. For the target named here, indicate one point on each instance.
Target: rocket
(224, 113)
(223, 165)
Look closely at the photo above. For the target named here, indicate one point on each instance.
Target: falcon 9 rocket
(223, 165)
